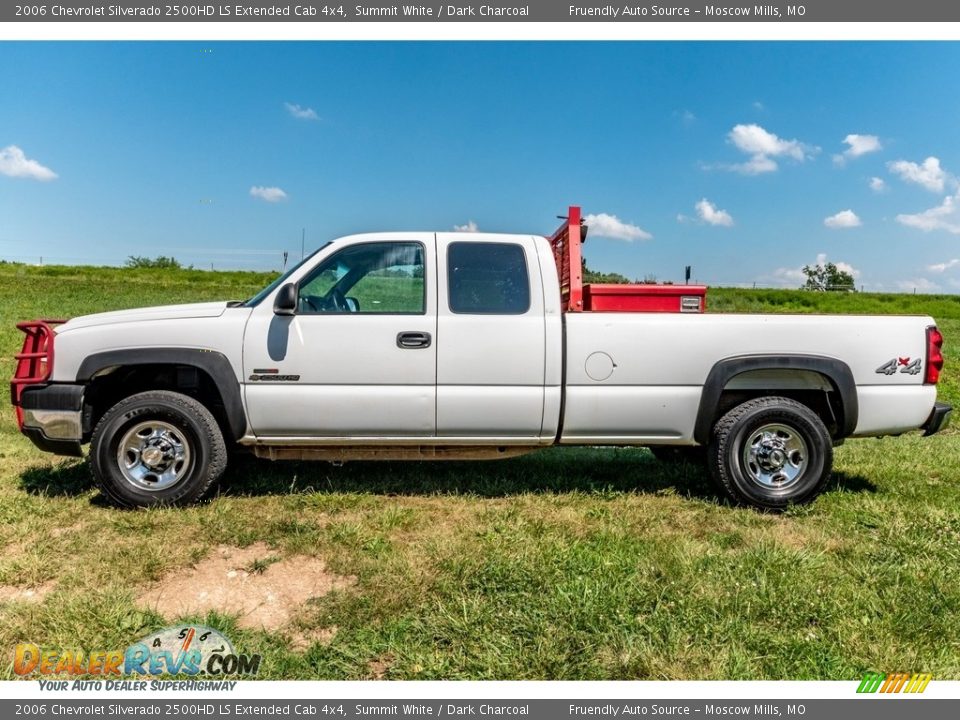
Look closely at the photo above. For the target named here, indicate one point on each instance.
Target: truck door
(490, 337)
(359, 357)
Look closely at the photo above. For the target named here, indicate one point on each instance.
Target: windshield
(258, 298)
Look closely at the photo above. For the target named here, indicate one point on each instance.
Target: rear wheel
(770, 453)
(157, 448)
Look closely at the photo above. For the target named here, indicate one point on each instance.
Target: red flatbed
(593, 297)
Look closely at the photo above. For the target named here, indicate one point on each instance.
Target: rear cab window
(487, 278)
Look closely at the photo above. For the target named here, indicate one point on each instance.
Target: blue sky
(745, 160)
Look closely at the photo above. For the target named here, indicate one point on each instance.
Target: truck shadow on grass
(555, 471)
(67, 479)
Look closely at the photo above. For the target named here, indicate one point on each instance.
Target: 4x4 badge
(906, 366)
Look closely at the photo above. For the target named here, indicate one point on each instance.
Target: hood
(161, 312)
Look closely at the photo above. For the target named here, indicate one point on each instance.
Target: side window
(385, 277)
(488, 278)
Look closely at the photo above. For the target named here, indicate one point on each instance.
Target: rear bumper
(53, 417)
(938, 420)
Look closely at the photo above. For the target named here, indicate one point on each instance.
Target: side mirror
(286, 300)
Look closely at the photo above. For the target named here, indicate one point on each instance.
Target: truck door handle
(413, 340)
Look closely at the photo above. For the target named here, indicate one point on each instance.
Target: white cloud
(301, 113)
(796, 275)
(858, 145)
(843, 219)
(14, 163)
(269, 194)
(754, 140)
(470, 227)
(709, 214)
(944, 266)
(945, 216)
(845, 267)
(757, 165)
(929, 175)
(921, 285)
(878, 185)
(762, 147)
(610, 226)
(793, 275)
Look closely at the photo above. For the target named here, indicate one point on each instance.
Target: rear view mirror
(286, 300)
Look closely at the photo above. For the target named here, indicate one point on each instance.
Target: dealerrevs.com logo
(177, 650)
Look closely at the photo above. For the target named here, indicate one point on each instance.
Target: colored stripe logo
(894, 682)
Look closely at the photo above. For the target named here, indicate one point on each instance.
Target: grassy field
(568, 564)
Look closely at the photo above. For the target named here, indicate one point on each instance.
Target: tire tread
(722, 435)
(217, 462)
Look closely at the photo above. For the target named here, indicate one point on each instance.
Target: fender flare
(214, 364)
(836, 371)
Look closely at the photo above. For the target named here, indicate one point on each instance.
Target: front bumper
(938, 420)
(53, 418)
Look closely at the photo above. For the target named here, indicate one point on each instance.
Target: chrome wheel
(774, 456)
(153, 455)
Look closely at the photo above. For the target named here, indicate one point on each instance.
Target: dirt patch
(254, 583)
(12, 551)
(302, 641)
(74, 529)
(377, 669)
(12, 593)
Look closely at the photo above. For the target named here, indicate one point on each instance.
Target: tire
(679, 453)
(771, 453)
(174, 454)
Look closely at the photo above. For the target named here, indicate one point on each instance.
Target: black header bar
(301, 11)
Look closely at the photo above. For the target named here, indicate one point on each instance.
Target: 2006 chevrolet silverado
(467, 346)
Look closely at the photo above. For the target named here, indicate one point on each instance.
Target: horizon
(745, 160)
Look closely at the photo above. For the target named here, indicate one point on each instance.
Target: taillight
(34, 361)
(934, 356)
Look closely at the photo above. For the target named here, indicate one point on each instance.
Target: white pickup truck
(467, 346)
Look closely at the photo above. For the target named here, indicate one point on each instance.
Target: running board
(345, 453)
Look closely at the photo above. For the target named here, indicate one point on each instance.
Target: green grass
(574, 563)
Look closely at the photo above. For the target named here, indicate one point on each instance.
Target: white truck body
(315, 384)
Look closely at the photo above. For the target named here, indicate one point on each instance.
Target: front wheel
(157, 448)
(770, 453)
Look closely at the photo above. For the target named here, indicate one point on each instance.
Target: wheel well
(108, 388)
(824, 403)
(824, 385)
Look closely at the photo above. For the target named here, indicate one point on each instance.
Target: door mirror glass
(286, 300)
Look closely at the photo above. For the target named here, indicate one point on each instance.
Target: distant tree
(827, 278)
(592, 276)
(160, 262)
